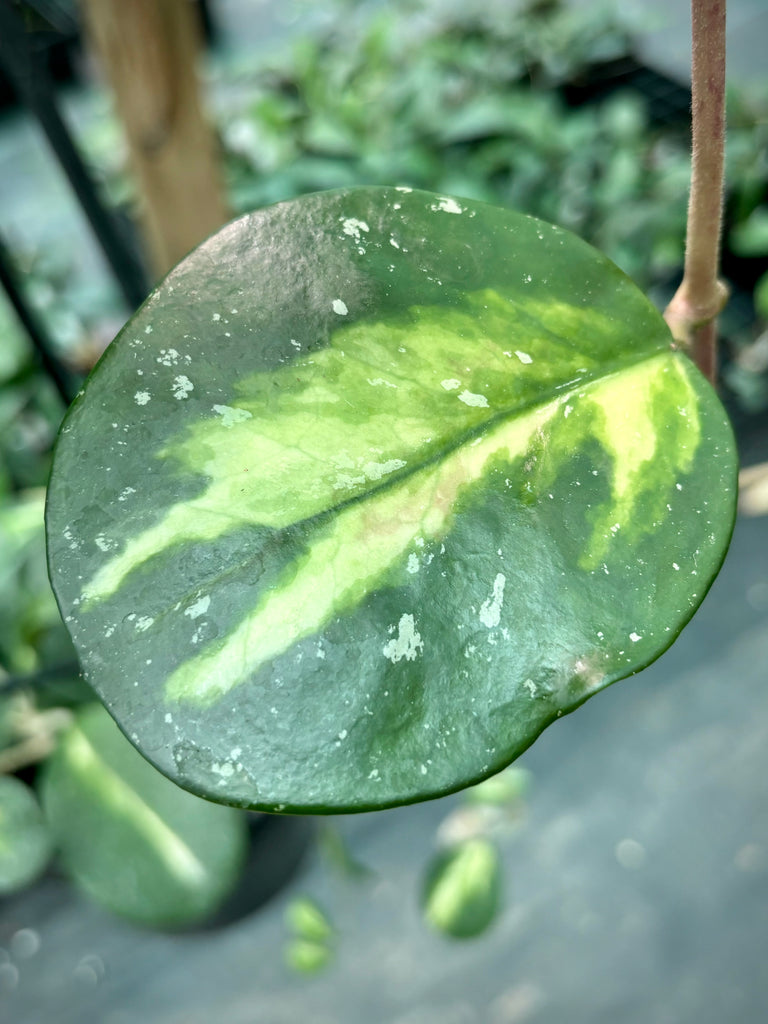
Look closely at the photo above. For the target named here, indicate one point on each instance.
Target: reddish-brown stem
(701, 296)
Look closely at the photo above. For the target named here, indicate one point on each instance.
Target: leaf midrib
(319, 519)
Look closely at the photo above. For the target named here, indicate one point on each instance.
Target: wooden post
(149, 51)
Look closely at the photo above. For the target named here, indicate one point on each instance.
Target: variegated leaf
(130, 839)
(375, 486)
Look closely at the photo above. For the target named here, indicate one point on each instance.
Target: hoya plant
(379, 483)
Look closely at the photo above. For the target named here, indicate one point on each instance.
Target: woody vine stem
(692, 313)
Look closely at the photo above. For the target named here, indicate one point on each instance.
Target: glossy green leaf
(462, 891)
(25, 844)
(131, 839)
(374, 487)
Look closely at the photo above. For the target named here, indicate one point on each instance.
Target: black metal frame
(25, 68)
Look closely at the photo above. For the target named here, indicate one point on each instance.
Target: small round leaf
(307, 920)
(462, 892)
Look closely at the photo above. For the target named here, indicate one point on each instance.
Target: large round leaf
(375, 486)
(131, 839)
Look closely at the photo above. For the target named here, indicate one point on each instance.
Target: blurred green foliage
(25, 844)
(467, 100)
(310, 946)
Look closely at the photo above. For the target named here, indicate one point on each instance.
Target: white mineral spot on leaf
(168, 717)
(109, 631)
(296, 344)
(167, 357)
(376, 470)
(353, 227)
(675, 566)
(124, 493)
(230, 416)
(344, 480)
(450, 384)
(490, 610)
(374, 774)
(394, 243)
(200, 607)
(446, 205)
(216, 317)
(182, 386)
(343, 734)
(634, 637)
(141, 397)
(340, 307)
(103, 544)
(523, 356)
(413, 564)
(148, 329)
(530, 687)
(468, 398)
(378, 382)
(423, 769)
(407, 644)
(143, 623)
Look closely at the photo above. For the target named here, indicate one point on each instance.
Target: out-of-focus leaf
(15, 349)
(337, 853)
(25, 842)
(31, 631)
(306, 957)
(500, 790)
(307, 921)
(462, 890)
(129, 837)
(761, 297)
(750, 238)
